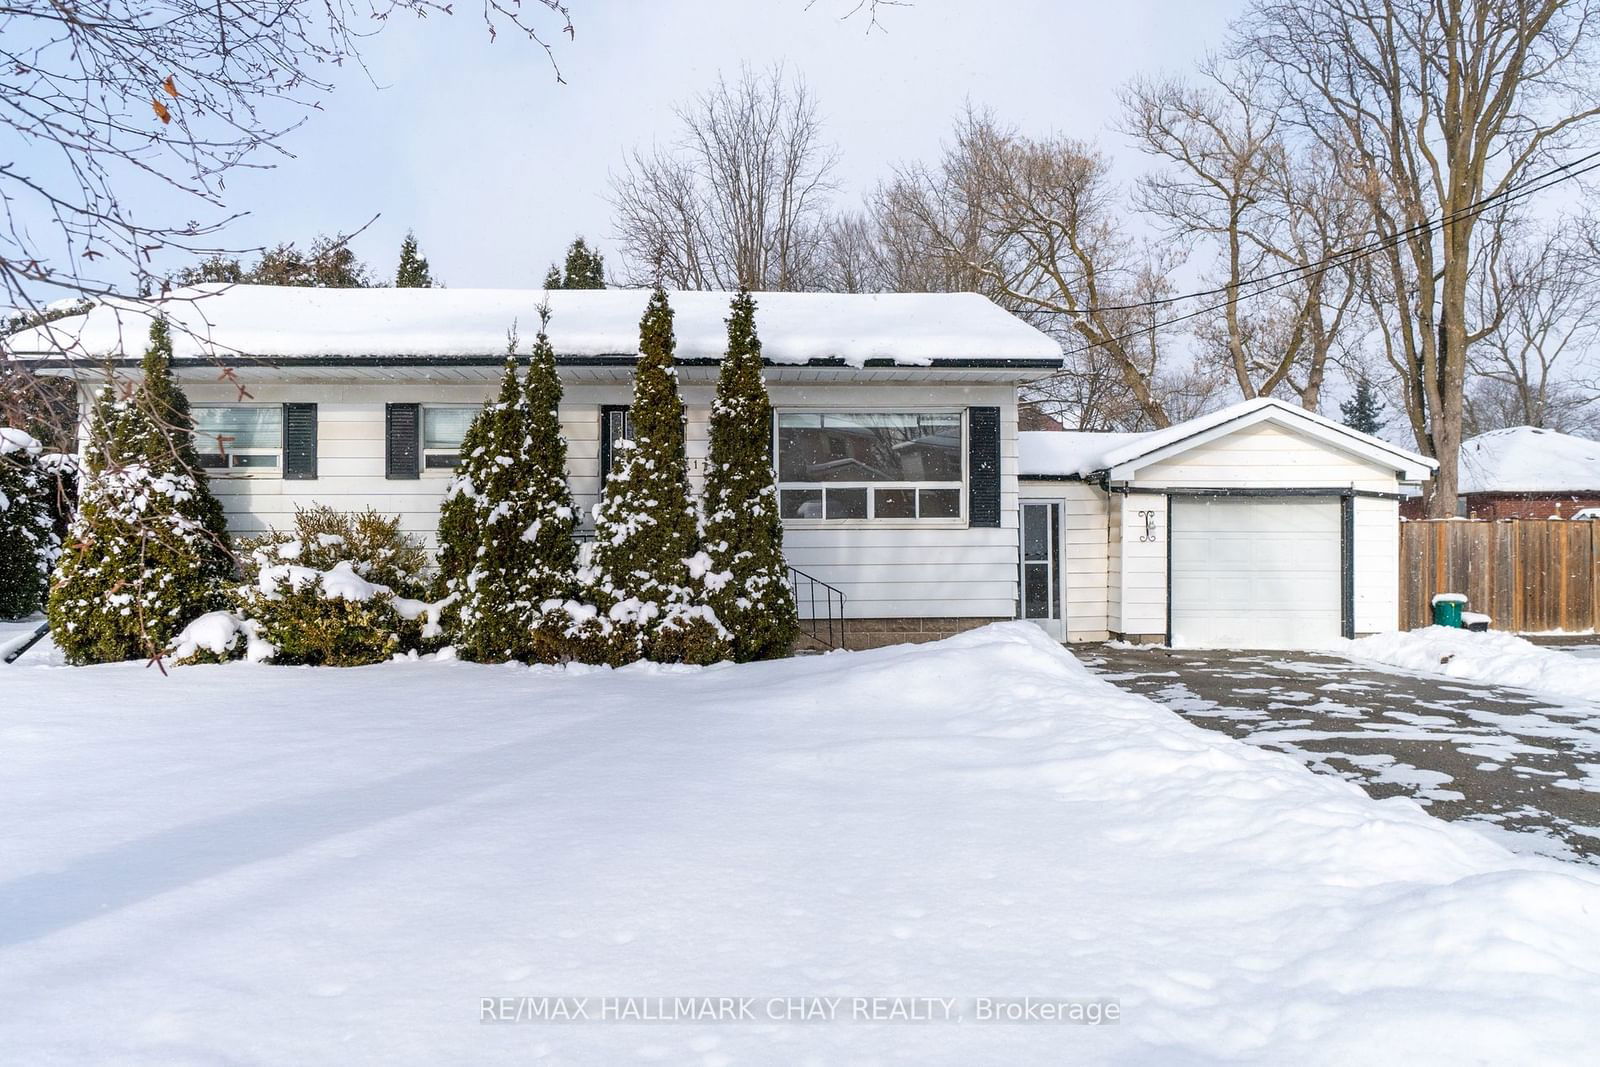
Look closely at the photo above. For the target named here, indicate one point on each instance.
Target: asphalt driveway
(1509, 760)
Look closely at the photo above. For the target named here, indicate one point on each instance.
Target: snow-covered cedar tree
(526, 561)
(459, 512)
(646, 527)
(147, 551)
(745, 577)
(62, 473)
(339, 589)
(28, 540)
(168, 444)
(413, 271)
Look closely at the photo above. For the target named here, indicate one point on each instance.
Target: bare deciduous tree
(739, 199)
(1545, 295)
(112, 103)
(1038, 226)
(1269, 205)
(1435, 107)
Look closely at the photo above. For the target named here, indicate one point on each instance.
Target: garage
(1260, 525)
(1256, 571)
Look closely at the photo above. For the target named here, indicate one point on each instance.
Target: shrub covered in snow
(646, 527)
(147, 551)
(332, 618)
(322, 537)
(331, 592)
(28, 541)
(745, 578)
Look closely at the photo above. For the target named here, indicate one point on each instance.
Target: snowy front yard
(252, 864)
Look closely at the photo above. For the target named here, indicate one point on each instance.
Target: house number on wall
(1149, 518)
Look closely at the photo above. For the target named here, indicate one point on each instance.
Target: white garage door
(1255, 572)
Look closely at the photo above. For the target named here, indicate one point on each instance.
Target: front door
(1041, 566)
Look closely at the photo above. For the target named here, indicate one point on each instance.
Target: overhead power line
(1282, 279)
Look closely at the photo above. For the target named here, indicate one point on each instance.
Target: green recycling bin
(1447, 609)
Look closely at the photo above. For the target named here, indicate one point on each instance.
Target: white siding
(1266, 455)
(1376, 555)
(1084, 554)
(1114, 567)
(886, 571)
(1144, 566)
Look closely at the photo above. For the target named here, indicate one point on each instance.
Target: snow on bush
(1494, 657)
(320, 594)
(974, 817)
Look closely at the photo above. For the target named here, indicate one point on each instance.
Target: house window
(443, 427)
(870, 466)
(239, 436)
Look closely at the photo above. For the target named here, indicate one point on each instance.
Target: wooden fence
(1527, 575)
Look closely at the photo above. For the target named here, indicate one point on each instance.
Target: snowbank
(257, 865)
(1495, 658)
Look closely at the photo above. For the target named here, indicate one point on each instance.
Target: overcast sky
(496, 165)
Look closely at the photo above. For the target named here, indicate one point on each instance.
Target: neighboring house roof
(1524, 459)
(1120, 455)
(290, 323)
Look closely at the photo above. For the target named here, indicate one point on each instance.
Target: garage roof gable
(1124, 461)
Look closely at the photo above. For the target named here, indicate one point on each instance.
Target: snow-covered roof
(1083, 454)
(1525, 459)
(1066, 453)
(288, 323)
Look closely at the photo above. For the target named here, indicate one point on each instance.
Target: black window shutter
(611, 415)
(401, 426)
(300, 441)
(983, 467)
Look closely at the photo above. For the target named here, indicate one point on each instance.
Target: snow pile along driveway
(1494, 658)
(254, 864)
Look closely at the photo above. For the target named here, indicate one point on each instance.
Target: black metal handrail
(806, 589)
(825, 629)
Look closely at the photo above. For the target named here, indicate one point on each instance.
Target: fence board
(1527, 575)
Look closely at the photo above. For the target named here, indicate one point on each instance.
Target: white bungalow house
(895, 442)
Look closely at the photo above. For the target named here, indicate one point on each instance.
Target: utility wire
(1509, 195)
(1517, 191)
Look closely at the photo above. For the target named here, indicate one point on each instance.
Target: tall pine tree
(585, 269)
(147, 552)
(646, 527)
(413, 271)
(1364, 411)
(549, 514)
(747, 580)
(461, 512)
(495, 619)
(167, 444)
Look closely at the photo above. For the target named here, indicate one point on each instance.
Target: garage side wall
(1141, 530)
(1376, 555)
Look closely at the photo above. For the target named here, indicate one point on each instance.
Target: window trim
(230, 471)
(423, 452)
(956, 521)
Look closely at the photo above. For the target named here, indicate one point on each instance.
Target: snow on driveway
(251, 864)
(1511, 763)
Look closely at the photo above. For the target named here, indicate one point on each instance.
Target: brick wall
(875, 633)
